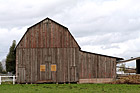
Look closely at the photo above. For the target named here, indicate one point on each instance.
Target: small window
(53, 67)
(42, 68)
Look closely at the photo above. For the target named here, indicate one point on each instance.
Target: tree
(1, 68)
(11, 59)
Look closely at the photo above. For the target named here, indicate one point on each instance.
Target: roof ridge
(48, 19)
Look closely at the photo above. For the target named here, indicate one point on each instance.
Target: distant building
(132, 70)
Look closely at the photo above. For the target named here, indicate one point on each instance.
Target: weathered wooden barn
(49, 53)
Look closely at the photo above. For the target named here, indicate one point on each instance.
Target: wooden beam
(124, 61)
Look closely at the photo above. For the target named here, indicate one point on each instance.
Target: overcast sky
(110, 27)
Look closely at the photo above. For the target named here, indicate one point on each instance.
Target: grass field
(69, 88)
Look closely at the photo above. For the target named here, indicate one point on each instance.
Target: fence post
(13, 79)
(0, 80)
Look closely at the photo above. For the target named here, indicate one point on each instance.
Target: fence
(8, 77)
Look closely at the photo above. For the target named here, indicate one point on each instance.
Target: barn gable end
(47, 33)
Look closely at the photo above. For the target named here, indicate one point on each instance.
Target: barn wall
(71, 66)
(92, 66)
(29, 61)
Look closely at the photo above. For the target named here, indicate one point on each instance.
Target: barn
(48, 53)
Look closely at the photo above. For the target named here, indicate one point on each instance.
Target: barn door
(45, 72)
(73, 74)
(45, 69)
(22, 74)
(45, 60)
(48, 71)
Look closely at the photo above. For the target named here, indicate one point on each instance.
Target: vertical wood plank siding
(48, 43)
(42, 36)
(96, 66)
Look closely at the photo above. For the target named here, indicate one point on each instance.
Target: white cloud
(108, 27)
(7, 37)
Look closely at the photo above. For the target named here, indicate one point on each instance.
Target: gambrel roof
(64, 40)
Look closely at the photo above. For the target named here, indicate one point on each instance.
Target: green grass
(69, 88)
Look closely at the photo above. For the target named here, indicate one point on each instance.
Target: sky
(109, 27)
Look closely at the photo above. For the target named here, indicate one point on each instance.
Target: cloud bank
(109, 27)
